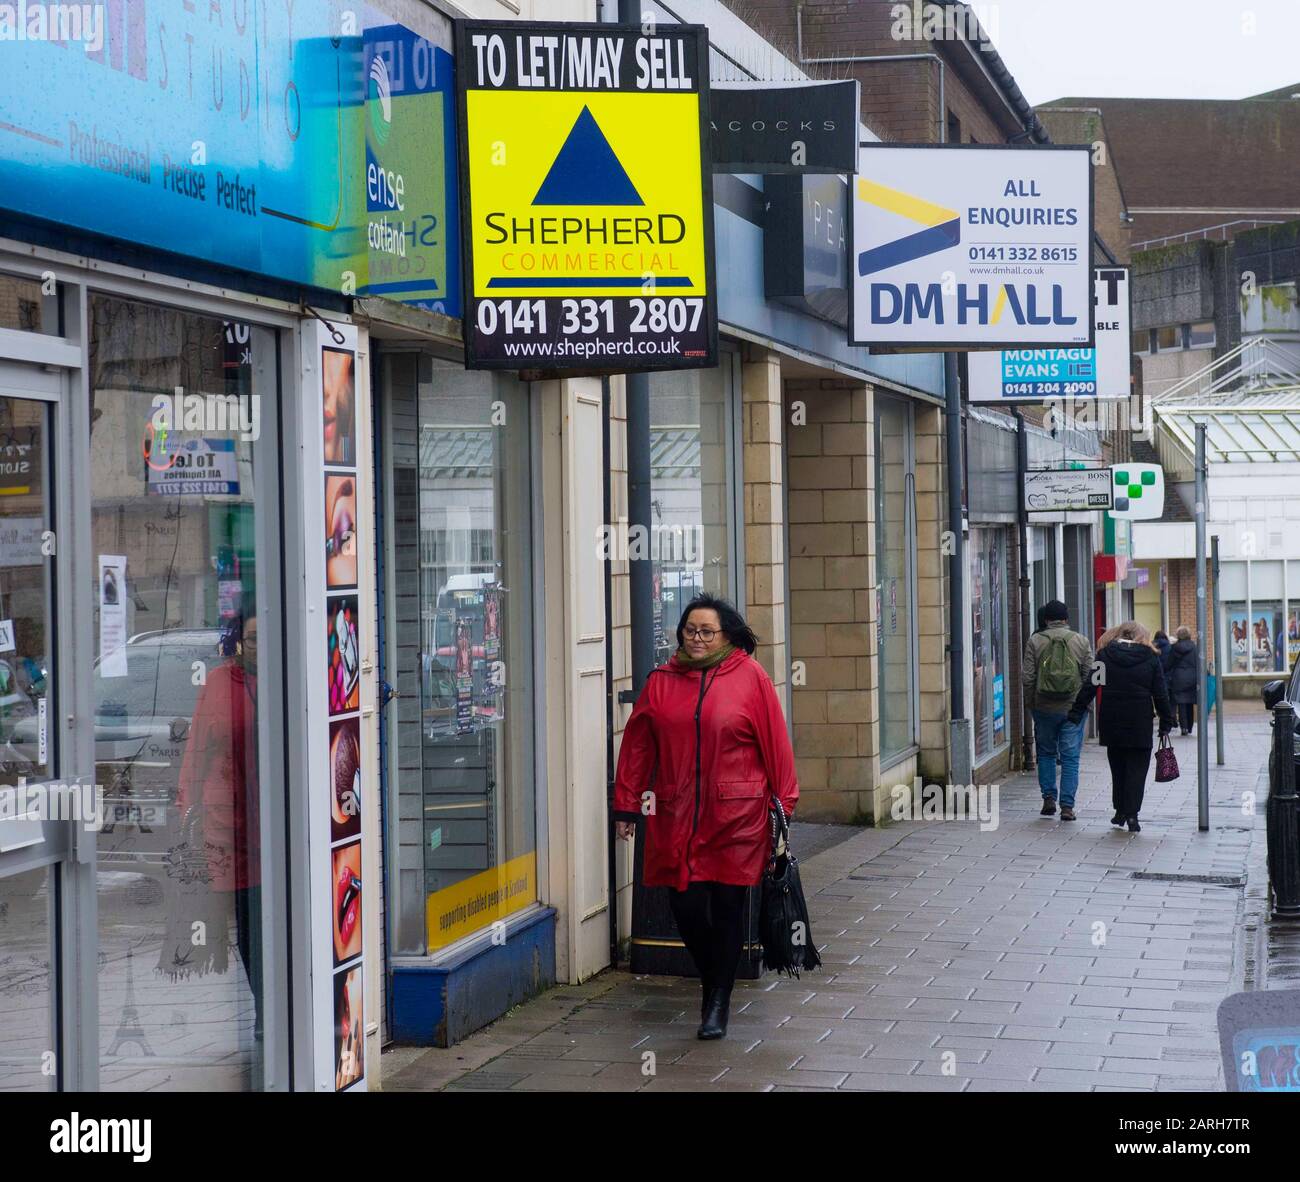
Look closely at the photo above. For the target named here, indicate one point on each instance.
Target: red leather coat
(712, 749)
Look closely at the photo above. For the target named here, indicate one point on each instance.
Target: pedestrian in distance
(1162, 643)
(1133, 684)
(1056, 664)
(705, 749)
(1180, 674)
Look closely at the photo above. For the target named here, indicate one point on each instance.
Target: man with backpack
(1057, 661)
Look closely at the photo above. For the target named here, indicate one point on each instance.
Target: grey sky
(1146, 48)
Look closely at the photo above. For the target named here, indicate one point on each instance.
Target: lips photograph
(345, 906)
(345, 778)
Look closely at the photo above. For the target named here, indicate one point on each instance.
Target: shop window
(1201, 336)
(692, 469)
(989, 638)
(895, 589)
(182, 523)
(1042, 566)
(464, 775)
(23, 305)
(1237, 617)
(1268, 643)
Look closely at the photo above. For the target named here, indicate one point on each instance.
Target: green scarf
(714, 658)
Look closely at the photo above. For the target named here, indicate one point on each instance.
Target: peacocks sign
(586, 197)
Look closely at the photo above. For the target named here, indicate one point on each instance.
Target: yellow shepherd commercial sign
(476, 902)
(586, 197)
(569, 189)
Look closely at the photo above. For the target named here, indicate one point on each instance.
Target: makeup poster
(334, 629)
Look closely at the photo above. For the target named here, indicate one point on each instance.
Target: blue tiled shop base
(436, 1005)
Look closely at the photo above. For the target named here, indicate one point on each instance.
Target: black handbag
(783, 926)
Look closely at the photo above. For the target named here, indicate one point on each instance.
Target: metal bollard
(1283, 830)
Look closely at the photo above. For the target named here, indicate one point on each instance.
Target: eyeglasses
(704, 634)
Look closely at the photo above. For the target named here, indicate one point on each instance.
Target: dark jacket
(1180, 671)
(714, 749)
(1036, 649)
(1162, 643)
(1134, 684)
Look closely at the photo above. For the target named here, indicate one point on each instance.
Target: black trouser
(710, 918)
(248, 936)
(1186, 715)
(1128, 777)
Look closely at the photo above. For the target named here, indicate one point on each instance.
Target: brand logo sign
(586, 192)
(958, 247)
(1139, 492)
(1063, 490)
(1035, 375)
(808, 271)
(758, 127)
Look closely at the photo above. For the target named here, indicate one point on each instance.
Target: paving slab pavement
(1037, 955)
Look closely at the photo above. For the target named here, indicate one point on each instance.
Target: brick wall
(831, 474)
(762, 430)
(932, 590)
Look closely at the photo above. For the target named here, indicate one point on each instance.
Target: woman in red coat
(704, 752)
(218, 777)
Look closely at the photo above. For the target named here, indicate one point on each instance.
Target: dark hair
(1161, 632)
(1054, 609)
(734, 627)
(232, 631)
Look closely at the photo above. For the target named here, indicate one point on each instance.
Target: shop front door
(41, 801)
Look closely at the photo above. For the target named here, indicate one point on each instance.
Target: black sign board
(586, 197)
(808, 270)
(811, 127)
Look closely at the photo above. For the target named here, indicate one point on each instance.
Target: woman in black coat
(1132, 691)
(1180, 673)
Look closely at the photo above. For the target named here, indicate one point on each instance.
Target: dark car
(1274, 693)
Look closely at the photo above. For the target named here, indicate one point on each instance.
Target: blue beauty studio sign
(303, 140)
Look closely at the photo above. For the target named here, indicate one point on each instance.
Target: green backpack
(1058, 671)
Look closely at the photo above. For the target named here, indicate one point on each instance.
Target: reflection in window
(463, 646)
(21, 304)
(690, 482)
(26, 659)
(989, 630)
(173, 528)
(894, 540)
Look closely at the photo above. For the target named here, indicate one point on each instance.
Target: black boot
(715, 1015)
(706, 991)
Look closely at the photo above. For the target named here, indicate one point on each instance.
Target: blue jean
(1057, 738)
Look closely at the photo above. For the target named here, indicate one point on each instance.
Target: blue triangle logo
(586, 171)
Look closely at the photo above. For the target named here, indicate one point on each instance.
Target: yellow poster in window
(478, 901)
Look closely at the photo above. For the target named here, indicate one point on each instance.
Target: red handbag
(1166, 761)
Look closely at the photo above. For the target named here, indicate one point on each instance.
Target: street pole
(1022, 466)
(1202, 687)
(1218, 651)
(959, 725)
